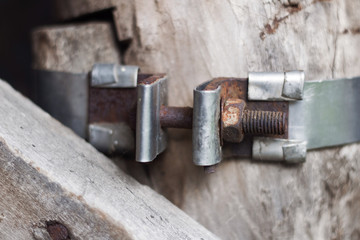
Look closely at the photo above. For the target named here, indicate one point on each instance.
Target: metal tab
(328, 115)
(150, 138)
(206, 132)
(271, 86)
(273, 149)
(65, 96)
(112, 137)
(114, 76)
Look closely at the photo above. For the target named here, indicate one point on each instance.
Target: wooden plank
(48, 175)
(67, 9)
(74, 48)
(123, 12)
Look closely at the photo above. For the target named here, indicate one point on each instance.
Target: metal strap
(65, 96)
(328, 115)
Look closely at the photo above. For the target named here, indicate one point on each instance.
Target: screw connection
(236, 121)
(263, 122)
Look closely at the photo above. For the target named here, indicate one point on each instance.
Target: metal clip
(272, 149)
(206, 132)
(150, 138)
(271, 86)
(114, 76)
(112, 137)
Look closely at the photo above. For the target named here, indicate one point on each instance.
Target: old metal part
(65, 96)
(176, 117)
(222, 110)
(210, 169)
(112, 138)
(328, 115)
(236, 88)
(294, 85)
(108, 75)
(150, 138)
(263, 122)
(113, 105)
(231, 120)
(272, 149)
(206, 131)
(271, 86)
(236, 121)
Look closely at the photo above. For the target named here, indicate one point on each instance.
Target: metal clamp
(224, 111)
(102, 108)
(284, 86)
(267, 116)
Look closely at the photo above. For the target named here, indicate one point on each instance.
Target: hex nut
(231, 120)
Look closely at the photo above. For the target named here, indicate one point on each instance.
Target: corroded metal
(176, 117)
(231, 120)
(263, 122)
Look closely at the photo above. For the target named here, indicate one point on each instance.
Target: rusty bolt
(237, 121)
(176, 117)
(263, 122)
(231, 120)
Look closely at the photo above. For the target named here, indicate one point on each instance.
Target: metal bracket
(102, 108)
(284, 86)
(150, 138)
(206, 132)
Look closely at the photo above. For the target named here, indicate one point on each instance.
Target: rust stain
(352, 31)
(117, 104)
(176, 117)
(271, 28)
(57, 231)
(293, 7)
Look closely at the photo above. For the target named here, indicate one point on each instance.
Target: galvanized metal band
(272, 86)
(328, 115)
(273, 149)
(206, 132)
(108, 75)
(65, 97)
(112, 138)
(150, 138)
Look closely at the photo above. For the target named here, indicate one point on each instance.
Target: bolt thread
(263, 122)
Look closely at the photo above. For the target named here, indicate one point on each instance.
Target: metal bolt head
(231, 120)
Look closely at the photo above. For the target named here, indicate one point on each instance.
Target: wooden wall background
(194, 41)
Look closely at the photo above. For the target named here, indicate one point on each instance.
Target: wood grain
(194, 41)
(48, 174)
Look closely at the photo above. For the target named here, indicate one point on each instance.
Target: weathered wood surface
(194, 41)
(49, 174)
(74, 49)
(122, 10)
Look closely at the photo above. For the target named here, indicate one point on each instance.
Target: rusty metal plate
(114, 105)
(237, 88)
